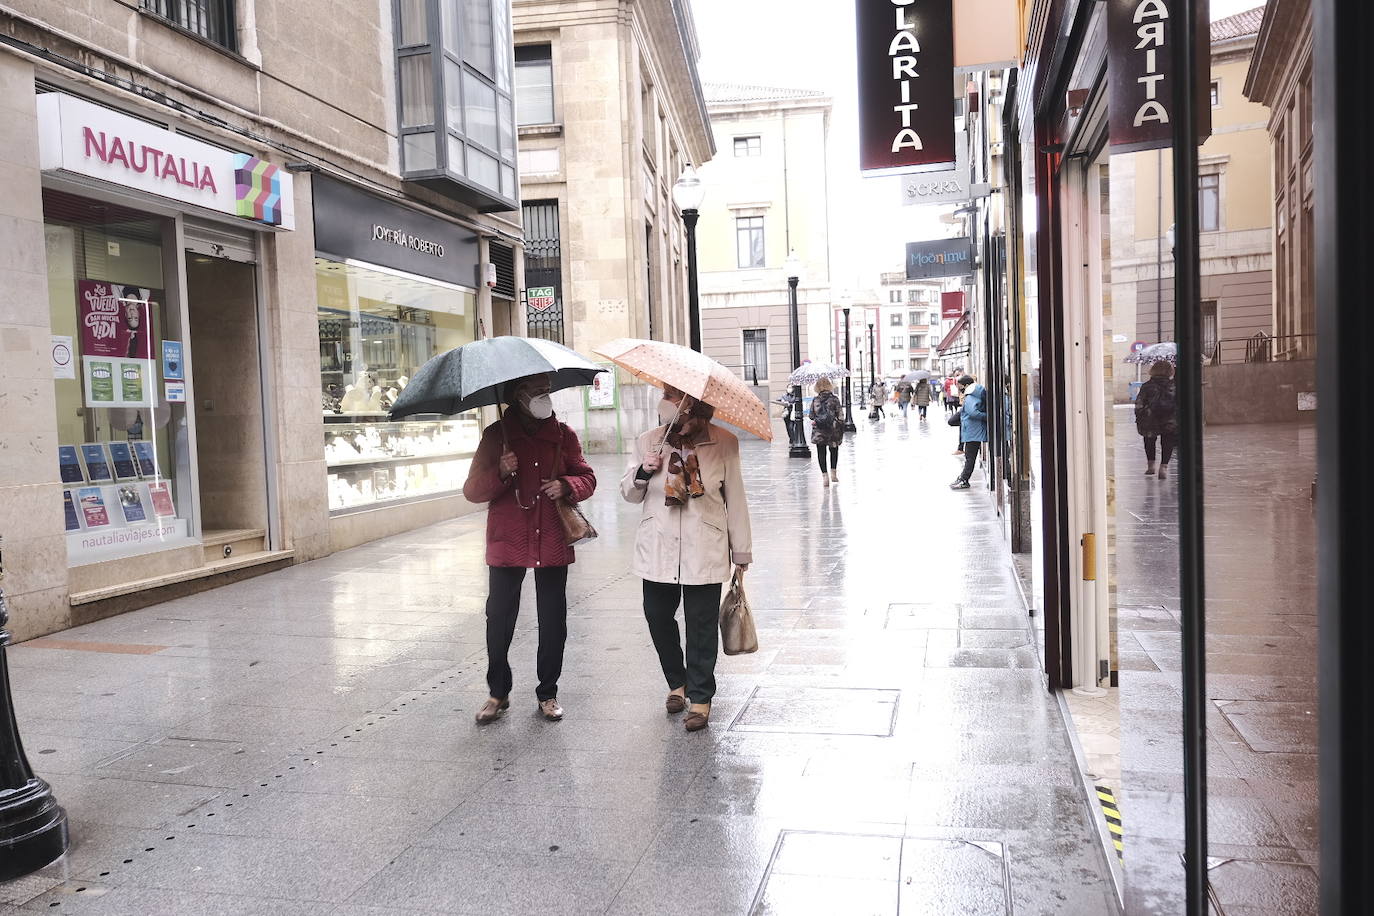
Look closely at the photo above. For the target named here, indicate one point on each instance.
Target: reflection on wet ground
(303, 742)
(1261, 673)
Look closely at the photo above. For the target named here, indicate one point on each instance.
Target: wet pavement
(303, 742)
(1261, 674)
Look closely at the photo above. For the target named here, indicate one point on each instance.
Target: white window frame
(744, 345)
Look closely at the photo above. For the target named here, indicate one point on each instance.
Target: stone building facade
(610, 114)
(1280, 77)
(765, 198)
(235, 228)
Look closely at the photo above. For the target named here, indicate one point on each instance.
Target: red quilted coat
(533, 537)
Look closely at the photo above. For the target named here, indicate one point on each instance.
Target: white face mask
(667, 411)
(540, 406)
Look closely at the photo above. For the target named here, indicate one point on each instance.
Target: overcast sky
(809, 44)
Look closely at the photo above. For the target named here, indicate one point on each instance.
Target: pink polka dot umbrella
(660, 364)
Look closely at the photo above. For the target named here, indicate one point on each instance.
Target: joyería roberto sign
(85, 139)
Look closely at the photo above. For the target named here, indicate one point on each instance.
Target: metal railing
(1262, 348)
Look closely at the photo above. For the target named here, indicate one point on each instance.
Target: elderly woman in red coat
(524, 464)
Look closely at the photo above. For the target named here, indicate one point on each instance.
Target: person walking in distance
(693, 526)
(973, 427)
(827, 429)
(904, 397)
(951, 392)
(878, 393)
(921, 397)
(525, 463)
(1156, 416)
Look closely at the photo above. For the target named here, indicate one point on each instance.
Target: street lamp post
(687, 194)
(849, 426)
(872, 362)
(33, 827)
(798, 448)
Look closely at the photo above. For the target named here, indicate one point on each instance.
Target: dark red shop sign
(1140, 60)
(951, 305)
(906, 84)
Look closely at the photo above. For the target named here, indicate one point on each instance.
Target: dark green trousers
(701, 619)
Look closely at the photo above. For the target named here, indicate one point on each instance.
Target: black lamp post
(687, 194)
(872, 363)
(798, 447)
(33, 827)
(849, 426)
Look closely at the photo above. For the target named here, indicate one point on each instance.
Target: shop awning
(959, 327)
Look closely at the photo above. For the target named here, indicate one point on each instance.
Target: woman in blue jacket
(973, 427)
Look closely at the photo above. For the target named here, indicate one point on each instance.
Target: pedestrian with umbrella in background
(694, 524)
(526, 464)
(1156, 405)
(827, 429)
(921, 395)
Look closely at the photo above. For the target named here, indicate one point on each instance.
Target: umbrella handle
(667, 429)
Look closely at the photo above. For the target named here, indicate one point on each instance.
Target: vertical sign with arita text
(906, 84)
(1140, 35)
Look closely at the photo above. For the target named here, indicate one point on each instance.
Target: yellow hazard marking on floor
(1113, 816)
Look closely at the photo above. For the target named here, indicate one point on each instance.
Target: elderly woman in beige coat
(693, 528)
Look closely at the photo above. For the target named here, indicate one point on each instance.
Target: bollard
(33, 827)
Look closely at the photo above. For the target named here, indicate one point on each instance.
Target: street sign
(540, 298)
(1137, 346)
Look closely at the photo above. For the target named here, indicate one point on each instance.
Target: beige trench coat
(695, 544)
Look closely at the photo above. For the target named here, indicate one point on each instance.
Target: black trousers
(922, 409)
(701, 618)
(1170, 443)
(970, 459)
(503, 606)
(834, 455)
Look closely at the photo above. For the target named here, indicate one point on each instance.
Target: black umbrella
(474, 374)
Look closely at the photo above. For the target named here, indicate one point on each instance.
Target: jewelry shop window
(119, 376)
(377, 327)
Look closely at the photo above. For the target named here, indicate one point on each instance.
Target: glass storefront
(377, 327)
(119, 379)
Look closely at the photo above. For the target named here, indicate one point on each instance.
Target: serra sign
(1140, 37)
(906, 84)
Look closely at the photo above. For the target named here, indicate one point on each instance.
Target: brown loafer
(550, 709)
(492, 710)
(675, 704)
(698, 717)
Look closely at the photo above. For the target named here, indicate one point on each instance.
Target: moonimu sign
(1140, 35)
(906, 84)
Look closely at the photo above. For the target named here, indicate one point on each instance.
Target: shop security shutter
(218, 241)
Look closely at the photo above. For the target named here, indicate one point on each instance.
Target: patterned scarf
(683, 478)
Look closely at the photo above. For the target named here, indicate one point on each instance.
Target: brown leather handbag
(577, 530)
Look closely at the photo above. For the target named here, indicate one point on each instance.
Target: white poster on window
(63, 357)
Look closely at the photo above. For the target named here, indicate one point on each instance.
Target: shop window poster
(133, 383)
(131, 504)
(100, 384)
(116, 319)
(93, 507)
(146, 458)
(122, 457)
(97, 462)
(160, 495)
(69, 509)
(69, 464)
(118, 382)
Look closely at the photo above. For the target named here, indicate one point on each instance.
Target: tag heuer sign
(540, 298)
